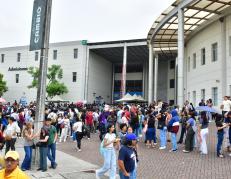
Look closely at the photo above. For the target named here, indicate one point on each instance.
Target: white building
(199, 34)
(91, 72)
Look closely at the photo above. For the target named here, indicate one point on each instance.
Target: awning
(197, 14)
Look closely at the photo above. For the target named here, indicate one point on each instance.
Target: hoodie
(174, 122)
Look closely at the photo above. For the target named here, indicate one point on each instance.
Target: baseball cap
(12, 154)
(131, 136)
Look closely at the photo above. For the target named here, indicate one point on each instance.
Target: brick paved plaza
(155, 163)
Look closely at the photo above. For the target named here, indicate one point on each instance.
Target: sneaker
(220, 156)
(79, 150)
(162, 148)
(185, 151)
(155, 143)
(88, 138)
(173, 150)
(97, 175)
(230, 154)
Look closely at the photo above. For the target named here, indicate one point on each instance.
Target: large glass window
(75, 53)
(214, 52)
(36, 56)
(74, 76)
(194, 60)
(131, 68)
(172, 64)
(17, 78)
(55, 54)
(202, 93)
(215, 96)
(203, 56)
(2, 58)
(18, 57)
(172, 83)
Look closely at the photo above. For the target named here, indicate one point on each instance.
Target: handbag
(38, 144)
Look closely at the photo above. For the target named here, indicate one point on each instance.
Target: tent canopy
(56, 99)
(130, 98)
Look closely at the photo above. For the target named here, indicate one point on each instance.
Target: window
(74, 76)
(214, 52)
(172, 64)
(2, 58)
(215, 96)
(75, 53)
(194, 60)
(203, 94)
(188, 64)
(203, 56)
(18, 57)
(229, 45)
(194, 97)
(55, 54)
(17, 78)
(36, 56)
(172, 83)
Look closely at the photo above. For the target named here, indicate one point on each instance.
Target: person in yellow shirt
(12, 171)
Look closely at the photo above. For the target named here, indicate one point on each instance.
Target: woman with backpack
(109, 142)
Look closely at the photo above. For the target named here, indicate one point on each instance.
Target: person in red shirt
(89, 122)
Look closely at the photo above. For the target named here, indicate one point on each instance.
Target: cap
(12, 154)
(131, 136)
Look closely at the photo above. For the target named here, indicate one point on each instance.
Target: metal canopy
(163, 33)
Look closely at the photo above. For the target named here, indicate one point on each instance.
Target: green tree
(54, 75)
(34, 72)
(3, 87)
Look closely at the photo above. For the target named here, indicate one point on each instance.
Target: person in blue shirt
(127, 158)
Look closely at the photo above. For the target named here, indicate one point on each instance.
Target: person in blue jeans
(173, 127)
(28, 137)
(51, 153)
(43, 147)
(161, 117)
(127, 159)
(220, 133)
(109, 154)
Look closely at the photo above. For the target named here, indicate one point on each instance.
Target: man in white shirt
(226, 105)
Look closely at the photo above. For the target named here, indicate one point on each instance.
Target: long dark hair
(109, 127)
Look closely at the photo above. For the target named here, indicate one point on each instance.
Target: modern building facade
(198, 33)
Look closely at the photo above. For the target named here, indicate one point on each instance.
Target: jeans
(10, 144)
(132, 175)
(79, 137)
(220, 137)
(229, 135)
(51, 153)
(26, 164)
(173, 140)
(189, 139)
(109, 163)
(136, 132)
(43, 158)
(163, 139)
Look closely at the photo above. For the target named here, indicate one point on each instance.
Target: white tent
(130, 98)
(56, 99)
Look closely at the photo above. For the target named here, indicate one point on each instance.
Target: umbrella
(207, 109)
(2, 100)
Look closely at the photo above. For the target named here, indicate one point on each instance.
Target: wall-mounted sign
(17, 69)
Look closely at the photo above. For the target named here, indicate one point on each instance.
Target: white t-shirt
(110, 137)
(78, 126)
(227, 105)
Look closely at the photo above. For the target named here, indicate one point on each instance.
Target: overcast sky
(92, 20)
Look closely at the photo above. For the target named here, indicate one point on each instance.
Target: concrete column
(124, 71)
(175, 77)
(180, 80)
(150, 75)
(223, 57)
(113, 83)
(143, 80)
(86, 74)
(156, 77)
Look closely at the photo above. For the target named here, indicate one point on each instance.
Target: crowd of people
(120, 127)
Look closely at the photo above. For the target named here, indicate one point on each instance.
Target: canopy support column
(156, 78)
(150, 75)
